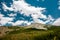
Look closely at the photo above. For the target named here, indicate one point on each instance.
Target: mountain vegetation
(30, 32)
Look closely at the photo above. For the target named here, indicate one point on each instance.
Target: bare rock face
(37, 26)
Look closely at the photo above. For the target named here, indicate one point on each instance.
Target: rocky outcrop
(37, 26)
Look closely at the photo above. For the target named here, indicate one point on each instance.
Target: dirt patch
(4, 30)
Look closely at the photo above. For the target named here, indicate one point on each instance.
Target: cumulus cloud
(4, 20)
(39, 0)
(57, 22)
(27, 9)
(39, 21)
(7, 8)
(23, 7)
(1, 15)
(59, 7)
(59, 4)
(16, 23)
(11, 14)
(50, 18)
(20, 22)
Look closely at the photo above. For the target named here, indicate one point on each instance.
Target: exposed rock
(37, 26)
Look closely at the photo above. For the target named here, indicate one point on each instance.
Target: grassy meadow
(20, 33)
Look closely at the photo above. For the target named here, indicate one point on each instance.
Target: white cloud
(11, 15)
(4, 20)
(1, 15)
(17, 23)
(38, 21)
(7, 8)
(59, 4)
(39, 0)
(24, 7)
(20, 22)
(28, 23)
(27, 9)
(50, 18)
(57, 22)
(59, 7)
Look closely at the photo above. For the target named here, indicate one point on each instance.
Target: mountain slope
(25, 33)
(37, 26)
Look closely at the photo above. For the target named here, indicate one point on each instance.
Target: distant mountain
(37, 26)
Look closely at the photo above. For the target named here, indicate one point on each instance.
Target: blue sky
(50, 5)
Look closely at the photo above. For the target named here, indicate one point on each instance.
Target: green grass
(34, 34)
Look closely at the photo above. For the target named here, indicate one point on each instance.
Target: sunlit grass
(33, 34)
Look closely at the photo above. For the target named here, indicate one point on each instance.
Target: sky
(26, 12)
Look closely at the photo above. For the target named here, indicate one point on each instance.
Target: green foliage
(13, 27)
(33, 34)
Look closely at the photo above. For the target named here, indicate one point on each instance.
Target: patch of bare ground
(4, 31)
